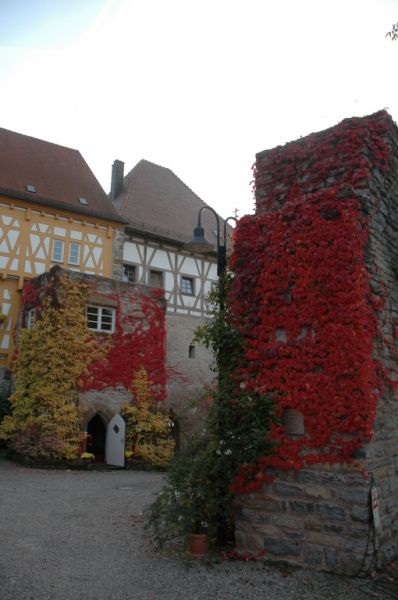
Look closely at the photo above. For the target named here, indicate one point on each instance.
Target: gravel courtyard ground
(78, 535)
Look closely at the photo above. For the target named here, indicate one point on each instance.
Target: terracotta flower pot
(198, 544)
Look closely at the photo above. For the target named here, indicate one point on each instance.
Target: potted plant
(87, 458)
(186, 508)
(3, 317)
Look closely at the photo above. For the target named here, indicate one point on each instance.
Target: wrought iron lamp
(200, 244)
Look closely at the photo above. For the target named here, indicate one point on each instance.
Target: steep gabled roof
(154, 200)
(59, 175)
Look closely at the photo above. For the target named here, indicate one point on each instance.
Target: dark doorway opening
(96, 436)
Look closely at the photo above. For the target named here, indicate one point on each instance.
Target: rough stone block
(293, 535)
(272, 505)
(331, 513)
(313, 525)
(331, 558)
(280, 547)
(302, 508)
(335, 527)
(313, 555)
(325, 538)
(305, 475)
(287, 521)
(355, 496)
(318, 491)
(285, 489)
(246, 539)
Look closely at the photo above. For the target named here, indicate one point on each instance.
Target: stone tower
(316, 295)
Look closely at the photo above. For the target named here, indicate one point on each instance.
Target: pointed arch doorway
(96, 440)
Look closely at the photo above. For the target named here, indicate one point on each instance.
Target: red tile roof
(154, 200)
(59, 175)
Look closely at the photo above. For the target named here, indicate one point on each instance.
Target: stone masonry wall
(187, 376)
(321, 515)
(381, 454)
(318, 517)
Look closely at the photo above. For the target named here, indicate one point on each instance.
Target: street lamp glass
(199, 242)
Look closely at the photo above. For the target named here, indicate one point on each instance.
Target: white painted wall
(147, 255)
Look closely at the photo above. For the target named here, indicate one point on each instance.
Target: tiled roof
(59, 175)
(154, 200)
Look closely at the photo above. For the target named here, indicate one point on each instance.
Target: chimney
(117, 179)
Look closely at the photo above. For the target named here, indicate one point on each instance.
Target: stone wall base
(319, 517)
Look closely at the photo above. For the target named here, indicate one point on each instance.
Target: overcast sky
(196, 86)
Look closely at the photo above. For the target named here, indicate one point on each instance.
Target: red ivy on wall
(138, 341)
(301, 296)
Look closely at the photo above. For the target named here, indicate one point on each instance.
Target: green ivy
(198, 494)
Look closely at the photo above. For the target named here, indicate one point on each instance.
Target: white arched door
(114, 447)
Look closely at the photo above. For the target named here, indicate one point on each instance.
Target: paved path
(74, 535)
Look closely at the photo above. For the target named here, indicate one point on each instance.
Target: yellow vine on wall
(148, 429)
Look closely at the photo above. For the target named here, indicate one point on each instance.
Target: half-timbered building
(162, 212)
(53, 211)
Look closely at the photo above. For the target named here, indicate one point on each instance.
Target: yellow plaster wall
(9, 306)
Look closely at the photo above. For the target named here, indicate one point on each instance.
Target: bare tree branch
(393, 34)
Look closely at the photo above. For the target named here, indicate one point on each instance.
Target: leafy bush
(148, 428)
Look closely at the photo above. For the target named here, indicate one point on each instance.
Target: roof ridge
(144, 160)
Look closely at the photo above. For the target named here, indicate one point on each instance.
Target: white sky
(196, 86)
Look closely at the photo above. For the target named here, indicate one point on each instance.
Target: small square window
(293, 421)
(129, 273)
(156, 279)
(187, 285)
(58, 251)
(74, 253)
(101, 318)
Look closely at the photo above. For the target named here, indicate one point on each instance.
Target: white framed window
(58, 251)
(101, 318)
(156, 278)
(129, 273)
(74, 253)
(30, 318)
(187, 285)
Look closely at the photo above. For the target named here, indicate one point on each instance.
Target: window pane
(101, 318)
(31, 318)
(92, 317)
(187, 285)
(58, 250)
(156, 278)
(107, 319)
(129, 273)
(74, 252)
